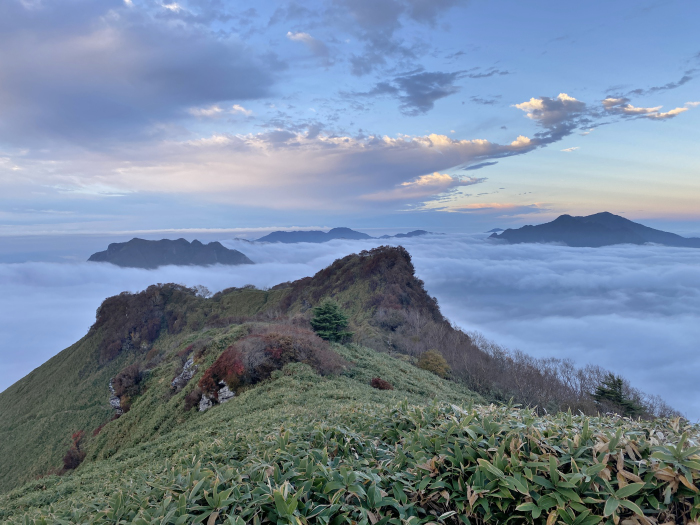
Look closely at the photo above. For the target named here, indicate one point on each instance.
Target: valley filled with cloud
(632, 309)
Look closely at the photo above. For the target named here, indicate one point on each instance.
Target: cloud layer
(632, 309)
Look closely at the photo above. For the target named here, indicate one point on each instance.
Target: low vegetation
(436, 463)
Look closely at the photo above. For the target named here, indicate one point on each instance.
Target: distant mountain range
(140, 253)
(318, 236)
(600, 229)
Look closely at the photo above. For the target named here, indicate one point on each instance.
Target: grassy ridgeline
(305, 449)
(136, 450)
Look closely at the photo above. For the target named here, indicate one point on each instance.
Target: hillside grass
(301, 448)
(297, 394)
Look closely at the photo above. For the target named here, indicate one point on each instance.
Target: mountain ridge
(141, 253)
(594, 231)
(319, 236)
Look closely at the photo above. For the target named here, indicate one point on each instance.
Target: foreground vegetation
(354, 461)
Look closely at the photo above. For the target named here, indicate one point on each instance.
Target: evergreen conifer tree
(611, 391)
(329, 322)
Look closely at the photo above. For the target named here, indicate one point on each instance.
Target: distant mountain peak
(317, 236)
(141, 253)
(599, 229)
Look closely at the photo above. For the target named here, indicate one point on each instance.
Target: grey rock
(114, 400)
(205, 403)
(225, 393)
(188, 372)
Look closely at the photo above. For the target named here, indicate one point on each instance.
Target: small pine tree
(329, 322)
(611, 391)
(432, 361)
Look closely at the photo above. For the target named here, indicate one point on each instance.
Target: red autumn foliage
(381, 384)
(75, 455)
(266, 349)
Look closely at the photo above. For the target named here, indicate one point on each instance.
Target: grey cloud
(480, 165)
(485, 101)
(417, 91)
(86, 71)
(560, 115)
(687, 77)
(376, 23)
(317, 47)
(614, 306)
(486, 74)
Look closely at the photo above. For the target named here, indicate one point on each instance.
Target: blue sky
(131, 115)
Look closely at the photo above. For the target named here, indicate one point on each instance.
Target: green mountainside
(109, 431)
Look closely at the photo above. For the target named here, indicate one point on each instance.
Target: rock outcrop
(223, 395)
(189, 369)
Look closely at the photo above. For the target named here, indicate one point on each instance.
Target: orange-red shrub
(268, 348)
(75, 455)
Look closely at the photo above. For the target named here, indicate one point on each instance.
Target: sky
(634, 310)
(132, 115)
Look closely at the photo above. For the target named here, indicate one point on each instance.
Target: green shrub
(432, 361)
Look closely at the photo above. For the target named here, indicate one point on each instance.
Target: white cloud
(692, 104)
(314, 45)
(240, 109)
(174, 7)
(552, 112)
(632, 309)
(621, 106)
(276, 169)
(210, 111)
(424, 187)
(569, 150)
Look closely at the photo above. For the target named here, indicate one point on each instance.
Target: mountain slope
(600, 229)
(145, 341)
(140, 253)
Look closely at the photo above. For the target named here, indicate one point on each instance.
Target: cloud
(479, 166)
(687, 77)
(423, 187)
(236, 108)
(501, 208)
(317, 47)
(210, 111)
(613, 306)
(90, 73)
(553, 112)
(376, 22)
(621, 106)
(417, 91)
(486, 74)
(569, 150)
(278, 169)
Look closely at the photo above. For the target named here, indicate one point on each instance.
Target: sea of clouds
(632, 309)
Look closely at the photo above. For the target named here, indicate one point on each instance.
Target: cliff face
(140, 253)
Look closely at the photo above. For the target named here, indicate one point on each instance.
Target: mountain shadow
(594, 231)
